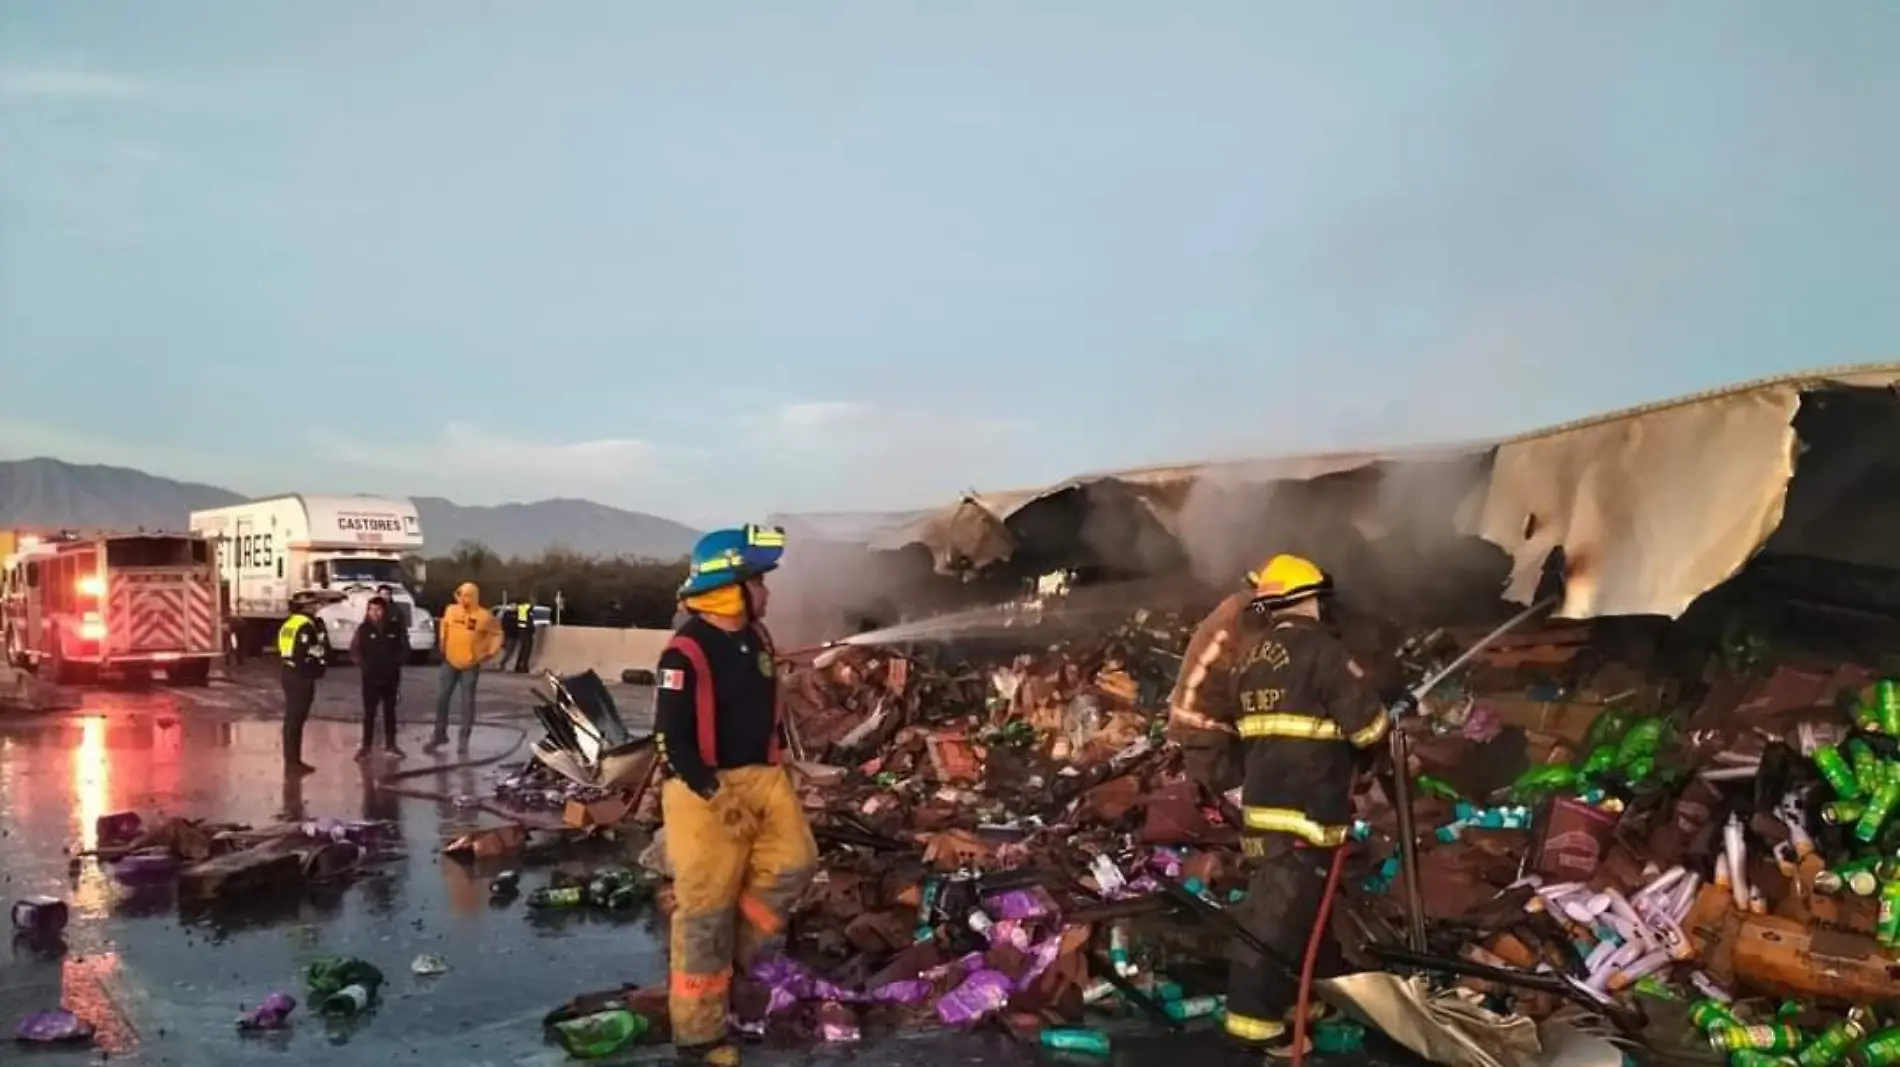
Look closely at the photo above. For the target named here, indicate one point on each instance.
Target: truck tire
(191, 672)
(61, 671)
(252, 640)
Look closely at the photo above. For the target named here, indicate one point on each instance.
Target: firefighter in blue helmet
(740, 848)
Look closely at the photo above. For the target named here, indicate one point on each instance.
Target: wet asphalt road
(165, 987)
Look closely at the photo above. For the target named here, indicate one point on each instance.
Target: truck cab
(359, 578)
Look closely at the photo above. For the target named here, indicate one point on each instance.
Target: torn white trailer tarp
(1652, 506)
(1656, 506)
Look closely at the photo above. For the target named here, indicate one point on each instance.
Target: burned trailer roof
(1652, 506)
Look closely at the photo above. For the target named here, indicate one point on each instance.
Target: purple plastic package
(272, 1014)
(910, 992)
(1011, 932)
(981, 994)
(1016, 904)
(1042, 957)
(144, 868)
(54, 1028)
(791, 982)
(837, 1023)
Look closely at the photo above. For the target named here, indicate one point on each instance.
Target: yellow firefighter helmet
(1287, 580)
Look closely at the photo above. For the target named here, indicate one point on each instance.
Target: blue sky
(712, 258)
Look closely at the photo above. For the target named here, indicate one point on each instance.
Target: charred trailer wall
(1828, 579)
(1389, 533)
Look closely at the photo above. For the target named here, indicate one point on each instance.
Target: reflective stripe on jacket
(287, 637)
(1301, 707)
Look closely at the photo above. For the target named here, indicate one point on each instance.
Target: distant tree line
(595, 590)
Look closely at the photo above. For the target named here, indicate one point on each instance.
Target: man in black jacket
(380, 648)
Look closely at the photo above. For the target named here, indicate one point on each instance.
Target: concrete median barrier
(604, 650)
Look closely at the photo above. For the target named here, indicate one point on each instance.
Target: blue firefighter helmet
(728, 557)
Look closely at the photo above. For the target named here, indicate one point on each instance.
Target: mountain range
(44, 492)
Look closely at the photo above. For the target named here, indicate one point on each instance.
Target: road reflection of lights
(88, 985)
(92, 775)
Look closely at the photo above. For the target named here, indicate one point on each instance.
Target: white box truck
(269, 549)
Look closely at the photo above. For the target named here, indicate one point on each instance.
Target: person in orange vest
(735, 833)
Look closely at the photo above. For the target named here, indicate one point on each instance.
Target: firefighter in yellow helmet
(1303, 710)
(737, 838)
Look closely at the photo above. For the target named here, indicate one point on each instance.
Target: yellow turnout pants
(739, 861)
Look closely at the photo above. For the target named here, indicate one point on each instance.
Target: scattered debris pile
(214, 861)
(1707, 860)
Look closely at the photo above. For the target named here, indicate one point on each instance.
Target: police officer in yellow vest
(524, 634)
(303, 650)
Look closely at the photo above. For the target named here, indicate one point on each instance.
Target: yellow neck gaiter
(729, 601)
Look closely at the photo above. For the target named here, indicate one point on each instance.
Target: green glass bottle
(1076, 1039)
(1887, 706)
(1887, 927)
(571, 896)
(1833, 768)
(1842, 812)
(1777, 1038)
(1880, 1050)
(1709, 1014)
(1833, 1044)
(602, 1034)
(1867, 767)
(1879, 806)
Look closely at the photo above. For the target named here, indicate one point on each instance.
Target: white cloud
(71, 84)
(804, 456)
(817, 416)
(808, 456)
(849, 455)
(478, 465)
(25, 439)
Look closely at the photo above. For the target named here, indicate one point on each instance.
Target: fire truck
(74, 606)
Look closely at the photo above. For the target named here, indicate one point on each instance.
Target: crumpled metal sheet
(586, 740)
(1444, 1028)
(1451, 1028)
(1654, 506)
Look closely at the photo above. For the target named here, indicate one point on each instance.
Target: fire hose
(1321, 925)
(1401, 774)
(387, 781)
(1408, 833)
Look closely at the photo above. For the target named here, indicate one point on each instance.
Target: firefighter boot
(716, 1055)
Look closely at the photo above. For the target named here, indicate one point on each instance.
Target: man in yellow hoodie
(468, 636)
